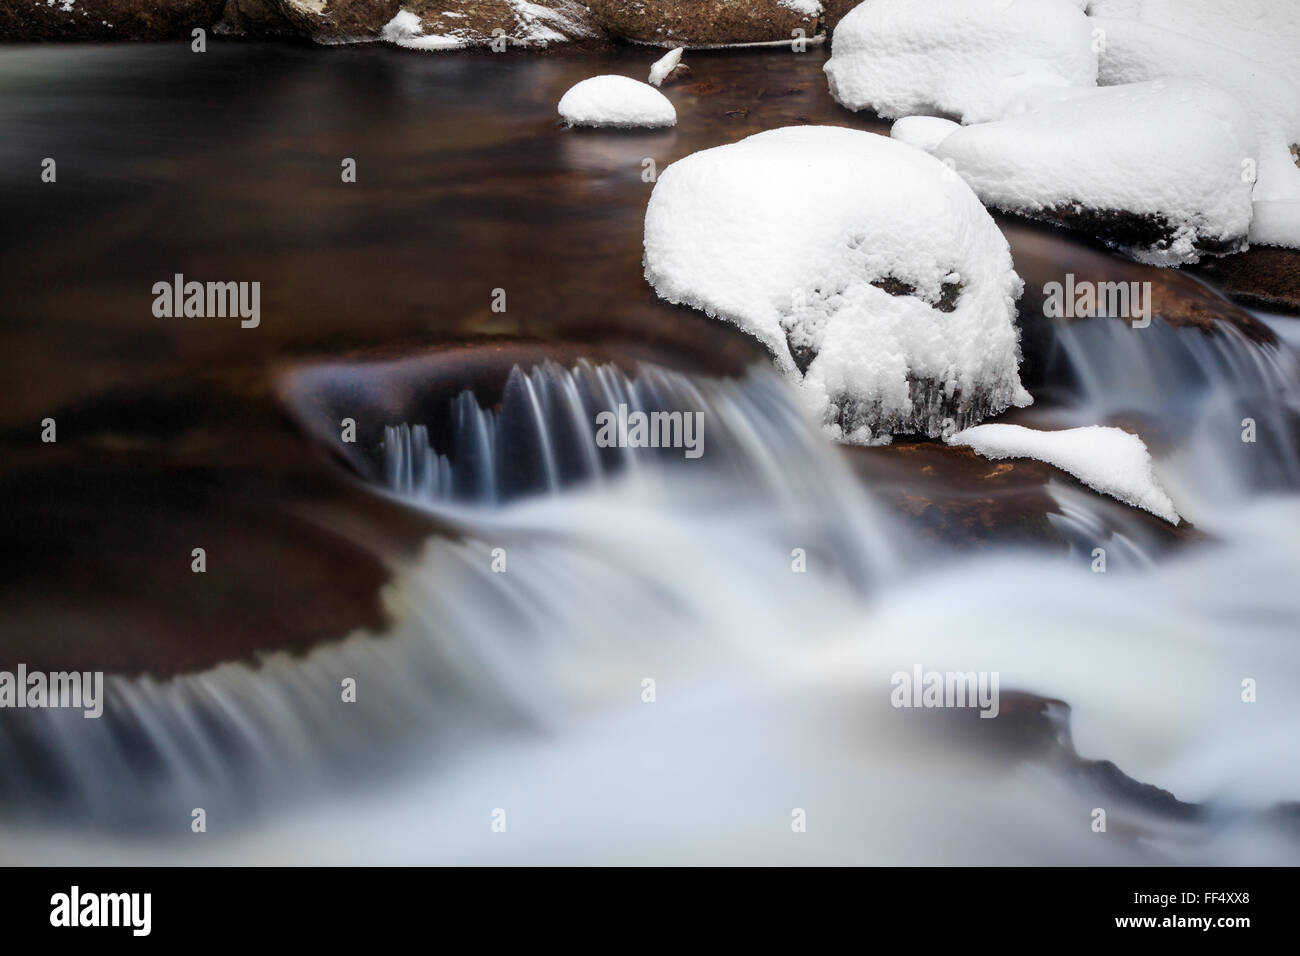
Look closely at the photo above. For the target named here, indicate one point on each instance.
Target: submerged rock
(893, 308)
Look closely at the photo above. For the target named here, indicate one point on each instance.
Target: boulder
(326, 21)
(705, 23)
(24, 21)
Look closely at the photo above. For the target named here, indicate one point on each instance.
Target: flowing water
(635, 655)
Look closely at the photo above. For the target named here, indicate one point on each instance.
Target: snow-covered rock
(661, 67)
(518, 24)
(618, 101)
(1109, 460)
(962, 58)
(1136, 50)
(891, 306)
(1267, 32)
(1154, 167)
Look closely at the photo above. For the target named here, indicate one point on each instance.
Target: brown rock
(952, 497)
(1266, 277)
(1044, 255)
(833, 11)
(28, 20)
(326, 21)
(701, 23)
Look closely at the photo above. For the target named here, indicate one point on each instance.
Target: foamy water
(523, 691)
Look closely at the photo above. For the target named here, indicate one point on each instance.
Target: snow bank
(618, 101)
(892, 307)
(964, 58)
(661, 67)
(1109, 460)
(1169, 152)
(1136, 50)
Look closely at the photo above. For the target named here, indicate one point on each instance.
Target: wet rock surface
(1264, 277)
(24, 21)
(1127, 230)
(1044, 255)
(951, 497)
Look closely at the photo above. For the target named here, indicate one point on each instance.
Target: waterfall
(516, 669)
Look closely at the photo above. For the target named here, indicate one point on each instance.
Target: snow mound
(892, 307)
(1109, 460)
(1135, 51)
(1157, 167)
(618, 101)
(963, 58)
(661, 67)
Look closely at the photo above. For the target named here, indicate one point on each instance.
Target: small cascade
(1192, 397)
(617, 558)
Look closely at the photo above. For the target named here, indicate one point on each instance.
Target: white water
(523, 690)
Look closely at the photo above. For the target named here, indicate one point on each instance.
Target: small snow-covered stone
(1109, 460)
(891, 306)
(618, 101)
(1156, 167)
(661, 67)
(961, 58)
